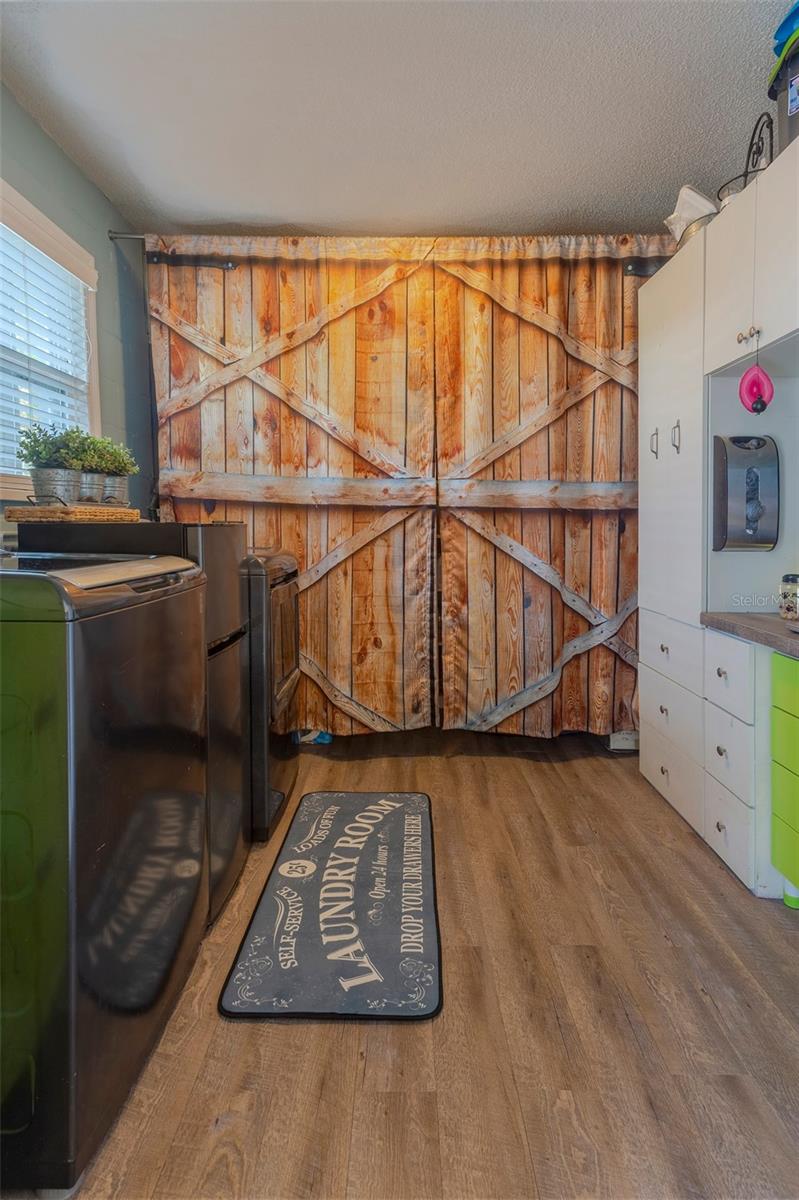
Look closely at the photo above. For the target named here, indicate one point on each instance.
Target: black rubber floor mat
(346, 925)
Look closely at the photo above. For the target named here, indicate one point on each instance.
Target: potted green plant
(119, 465)
(55, 458)
(92, 477)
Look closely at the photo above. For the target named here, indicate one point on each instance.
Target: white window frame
(27, 222)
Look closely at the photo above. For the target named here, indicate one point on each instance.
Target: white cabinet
(776, 305)
(752, 275)
(671, 433)
(730, 279)
(704, 696)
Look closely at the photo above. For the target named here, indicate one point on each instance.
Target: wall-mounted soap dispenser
(746, 493)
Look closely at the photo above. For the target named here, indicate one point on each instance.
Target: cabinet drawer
(785, 739)
(672, 710)
(676, 776)
(729, 675)
(730, 830)
(672, 648)
(785, 683)
(785, 849)
(785, 795)
(730, 752)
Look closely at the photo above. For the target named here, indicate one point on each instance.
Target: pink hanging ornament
(756, 390)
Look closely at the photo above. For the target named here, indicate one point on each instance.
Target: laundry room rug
(346, 925)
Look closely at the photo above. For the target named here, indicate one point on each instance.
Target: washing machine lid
(108, 574)
(68, 586)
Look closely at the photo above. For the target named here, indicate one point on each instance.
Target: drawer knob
(664, 710)
(664, 648)
(721, 827)
(720, 751)
(663, 771)
(722, 674)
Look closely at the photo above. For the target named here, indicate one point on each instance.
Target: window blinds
(44, 347)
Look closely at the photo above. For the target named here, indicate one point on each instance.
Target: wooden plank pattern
(579, 348)
(342, 551)
(316, 704)
(238, 391)
(186, 433)
(577, 533)
(295, 336)
(270, 381)
(158, 291)
(354, 708)
(340, 402)
(298, 490)
(449, 401)
(524, 493)
(543, 570)
(341, 398)
(509, 621)
(571, 650)
(211, 316)
(534, 461)
(606, 465)
(562, 491)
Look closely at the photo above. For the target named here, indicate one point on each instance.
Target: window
(47, 359)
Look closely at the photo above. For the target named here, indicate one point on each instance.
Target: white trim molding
(27, 222)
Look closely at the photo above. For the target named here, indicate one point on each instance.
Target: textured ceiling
(329, 116)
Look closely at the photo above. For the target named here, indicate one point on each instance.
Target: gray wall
(31, 162)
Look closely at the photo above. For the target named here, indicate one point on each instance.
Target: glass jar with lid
(789, 597)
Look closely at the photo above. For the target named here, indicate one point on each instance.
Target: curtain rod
(640, 267)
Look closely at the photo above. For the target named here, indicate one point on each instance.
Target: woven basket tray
(91, 513)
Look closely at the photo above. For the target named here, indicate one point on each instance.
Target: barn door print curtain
(443, 431)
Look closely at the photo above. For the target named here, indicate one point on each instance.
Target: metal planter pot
(92, 487)
(55, 484)
(117, 489)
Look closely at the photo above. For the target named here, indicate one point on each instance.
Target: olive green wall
(31, 162)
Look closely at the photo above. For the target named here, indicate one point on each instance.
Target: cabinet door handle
(664, 711)
(754, 332)
(720, 751)
(675, 436)
(663, 771)
(653, 443)
(664, 648)
(741, 338)
(722, 674)
(721, 827)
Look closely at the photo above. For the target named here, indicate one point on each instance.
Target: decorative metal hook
(758, 156)
(757, 146)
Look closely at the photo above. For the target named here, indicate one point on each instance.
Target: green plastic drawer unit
(785, 795)
(785, 850)
(785, 739)
(785, 683)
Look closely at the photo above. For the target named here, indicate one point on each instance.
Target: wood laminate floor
(621, 1017)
